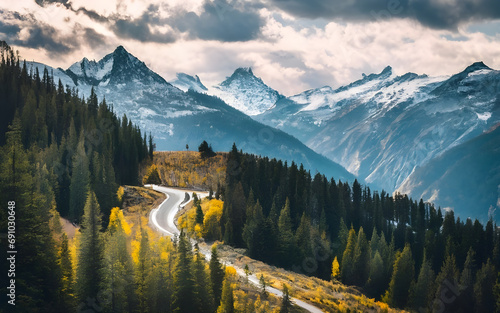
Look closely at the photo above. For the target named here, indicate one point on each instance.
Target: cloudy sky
(293, 45)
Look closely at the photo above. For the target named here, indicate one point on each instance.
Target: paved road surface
(162, 219)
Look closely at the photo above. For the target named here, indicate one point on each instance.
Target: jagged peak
(120, 49)
(476, 66)
(386, 72)
(243, 70)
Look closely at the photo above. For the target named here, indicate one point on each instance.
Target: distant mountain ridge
(465, 178)
(176, 118)
(246, 92)
(382, 126)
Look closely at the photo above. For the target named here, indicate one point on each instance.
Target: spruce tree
(303, 238)
(80, 181)
(89, 272)
(216, 275)
(143, 271)
(199, 214)
(67, 290)
(348, 257)
(422, 291)
(204, 300)
(285, 237)
(286, 302)
(402, 277)
(184, 283)
(466, 299)
(447, 287)
(361, 259)
(483, 288)
(375, 284)
(119, 272)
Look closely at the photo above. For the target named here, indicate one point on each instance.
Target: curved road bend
(162, 219)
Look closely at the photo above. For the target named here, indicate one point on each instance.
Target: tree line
(403, 251)
(56, 148)
(81, 142)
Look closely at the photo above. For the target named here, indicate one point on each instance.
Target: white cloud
(290, 58)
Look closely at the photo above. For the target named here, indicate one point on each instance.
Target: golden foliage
(335, 269)
(119, 193)
(117, 221)
(188, 169)
(211, 221)
(212, 211)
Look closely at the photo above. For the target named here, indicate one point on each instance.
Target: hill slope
(465, 178)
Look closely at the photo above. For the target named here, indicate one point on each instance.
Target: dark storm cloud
(93, 38)
(36, 34)
(141, 28)
(45, 2)
(91, 14)
(220, 20)
(39, 35)
(440, 14)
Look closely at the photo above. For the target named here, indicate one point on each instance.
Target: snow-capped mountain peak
(185, 82)
(383, 126)
(246, 92)
(118, 67)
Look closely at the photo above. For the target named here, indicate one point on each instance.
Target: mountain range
(183, 116)
(410, 133)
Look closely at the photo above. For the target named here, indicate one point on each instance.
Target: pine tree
(422, 291)
(254, 231)
(89, 272)
(375, 284)
(199, 214)
(286, 303)
(80, 181)
(466, 298)
(67, 291)
(348, 257)
(402, 277)
(227, 299)
(184, 283)
(286, 246)
(343, 236)
(303, 237)
(263, 285)
(119, 273)
(204, 300)
(483, 288)
(93, 102)
(152, 176)
(216, 275)
(447, 287)
(361, 259)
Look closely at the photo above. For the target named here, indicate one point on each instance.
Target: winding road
(162, 220)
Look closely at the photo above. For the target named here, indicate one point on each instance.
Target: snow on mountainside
(246, 92)
(383, 126)
(185, 82)
(176, 118)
